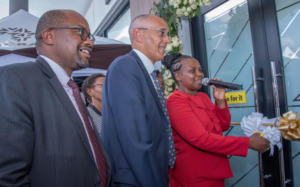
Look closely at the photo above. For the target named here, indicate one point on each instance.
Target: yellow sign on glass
(236, 97)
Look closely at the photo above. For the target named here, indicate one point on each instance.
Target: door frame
(266, 48)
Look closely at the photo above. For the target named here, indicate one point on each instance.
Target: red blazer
(201, 149)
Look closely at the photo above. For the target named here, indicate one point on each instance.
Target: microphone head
(205, 81)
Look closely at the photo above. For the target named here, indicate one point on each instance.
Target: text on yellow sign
(236, 97)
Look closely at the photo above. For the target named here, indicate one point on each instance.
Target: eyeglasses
(163, 32)
(101, 84)
(82, 31)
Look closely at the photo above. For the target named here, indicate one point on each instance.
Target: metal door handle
(277, 113)
(255, 92)
(256, 104)
(275, 89)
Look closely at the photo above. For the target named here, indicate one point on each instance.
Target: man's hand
(258, 143)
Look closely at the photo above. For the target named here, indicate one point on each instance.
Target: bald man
(46, 137)
(135, 129)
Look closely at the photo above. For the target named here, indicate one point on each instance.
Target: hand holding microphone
(219, 89)
(218, 94)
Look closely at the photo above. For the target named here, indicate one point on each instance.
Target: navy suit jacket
(134, 128)
(42, 139)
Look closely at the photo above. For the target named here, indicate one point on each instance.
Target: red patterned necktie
(100, 161)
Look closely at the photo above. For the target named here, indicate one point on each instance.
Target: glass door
(229, 53)
(288, 17)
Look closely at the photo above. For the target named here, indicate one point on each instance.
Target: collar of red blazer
(201, 100)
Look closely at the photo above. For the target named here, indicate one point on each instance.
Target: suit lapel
(148, 79)
(67, 104)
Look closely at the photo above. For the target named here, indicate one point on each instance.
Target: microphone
(207, 82)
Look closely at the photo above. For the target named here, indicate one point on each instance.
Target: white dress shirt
(147, 63)
(63, 78)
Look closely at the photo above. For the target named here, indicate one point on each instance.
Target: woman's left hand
(219, 94)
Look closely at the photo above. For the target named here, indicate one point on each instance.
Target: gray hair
(137, 22)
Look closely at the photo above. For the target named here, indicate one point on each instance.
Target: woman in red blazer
(197, 124)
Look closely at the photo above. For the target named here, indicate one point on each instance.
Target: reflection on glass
(288, 15)
(230, 58)
(119, 31)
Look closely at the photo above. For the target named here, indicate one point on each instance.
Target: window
(119, 28)
(4, 8)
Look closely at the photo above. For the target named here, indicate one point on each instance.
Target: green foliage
(163, 10)
(172, 11)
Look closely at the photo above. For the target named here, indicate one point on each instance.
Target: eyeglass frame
(163, 33)
(88, 35)
(97, 84)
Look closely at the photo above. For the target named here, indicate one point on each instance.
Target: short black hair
(88, 83)
(157, 72)
(52, 18)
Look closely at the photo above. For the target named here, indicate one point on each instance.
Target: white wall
(185, 37)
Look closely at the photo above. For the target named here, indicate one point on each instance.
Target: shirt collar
(61, 74)
(147, 63)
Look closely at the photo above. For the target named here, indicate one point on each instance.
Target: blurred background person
(92, 90)
(197, 126)
(161, 81)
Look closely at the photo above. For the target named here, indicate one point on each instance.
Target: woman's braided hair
(172, 62)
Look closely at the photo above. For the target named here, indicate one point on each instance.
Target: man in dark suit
(46, 137)
(135, 130)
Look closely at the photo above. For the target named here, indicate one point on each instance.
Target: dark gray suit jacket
(42, 139)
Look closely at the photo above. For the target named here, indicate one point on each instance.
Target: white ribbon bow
(254, 123)
(274, 136)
